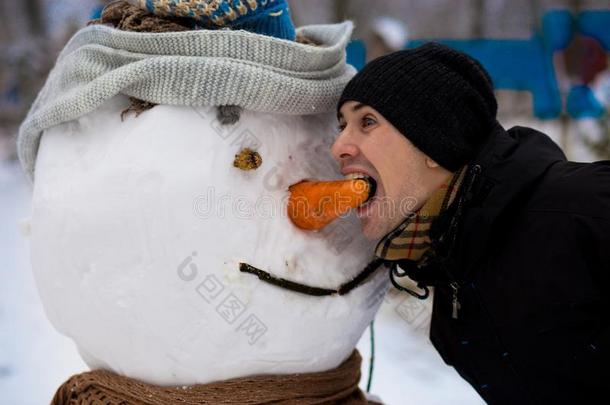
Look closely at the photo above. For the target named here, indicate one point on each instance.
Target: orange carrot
(314, 204)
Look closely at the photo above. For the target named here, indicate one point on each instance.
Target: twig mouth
(311, 290)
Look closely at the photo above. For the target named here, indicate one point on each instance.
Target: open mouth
(372, 184)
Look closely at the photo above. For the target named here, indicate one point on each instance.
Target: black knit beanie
(442, 100)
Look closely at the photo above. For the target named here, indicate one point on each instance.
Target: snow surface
(407, 368)
(34, 358)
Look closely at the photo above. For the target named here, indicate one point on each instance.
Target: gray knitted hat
(193, 68)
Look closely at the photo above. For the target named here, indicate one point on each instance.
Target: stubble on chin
(374, 229)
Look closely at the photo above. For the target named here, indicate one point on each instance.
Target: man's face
(405, 176)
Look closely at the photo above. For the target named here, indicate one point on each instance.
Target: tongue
(314, 204)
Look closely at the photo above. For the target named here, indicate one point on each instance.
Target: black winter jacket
(528, 276)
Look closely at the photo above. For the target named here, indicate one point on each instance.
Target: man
(514, 238)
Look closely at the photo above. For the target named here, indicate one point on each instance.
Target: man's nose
(343, 148)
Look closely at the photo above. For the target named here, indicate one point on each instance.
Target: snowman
(161, 164)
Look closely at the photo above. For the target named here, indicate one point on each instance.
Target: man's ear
(431, 164)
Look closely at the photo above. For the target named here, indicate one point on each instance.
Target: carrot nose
(314, 204)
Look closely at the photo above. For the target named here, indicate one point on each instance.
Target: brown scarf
(336, 386)
(410, 240)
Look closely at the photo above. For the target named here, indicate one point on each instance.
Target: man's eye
(340, 127)
(367, 121)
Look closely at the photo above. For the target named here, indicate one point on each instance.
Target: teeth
(352, 176)
(370, 180)
(372, 183)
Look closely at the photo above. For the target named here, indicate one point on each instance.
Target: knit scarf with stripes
(411, 239)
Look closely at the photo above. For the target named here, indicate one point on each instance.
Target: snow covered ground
(35, 359)
(407, 368)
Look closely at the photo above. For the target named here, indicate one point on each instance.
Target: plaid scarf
(410, 240)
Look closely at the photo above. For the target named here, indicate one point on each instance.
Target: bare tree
(478, 18)
(340, 9)
(33, 12)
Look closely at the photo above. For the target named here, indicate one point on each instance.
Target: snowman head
(141, 227)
